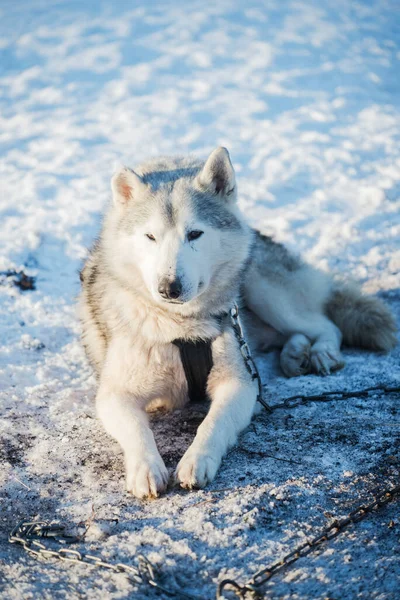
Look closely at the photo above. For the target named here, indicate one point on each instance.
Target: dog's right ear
(125, 185)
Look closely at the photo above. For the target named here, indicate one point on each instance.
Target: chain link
(27, 534)
(247, 358)
(253, 585)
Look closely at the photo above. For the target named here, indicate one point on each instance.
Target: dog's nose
(170, 290)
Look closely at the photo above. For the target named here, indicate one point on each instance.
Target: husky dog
(173, 256)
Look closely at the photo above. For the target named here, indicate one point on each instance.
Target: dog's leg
(231, 409)
(146, 474)
(233, 398)
(294, 312)
(325, 351)
(295, 356)
(323, 358)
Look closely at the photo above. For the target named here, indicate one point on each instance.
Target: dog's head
(176, 222)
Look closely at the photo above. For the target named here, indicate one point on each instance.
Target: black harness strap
(197, 362)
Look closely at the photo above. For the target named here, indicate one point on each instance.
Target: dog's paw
(196, 469)
(146, 478)
(326, 358)
(295, 357)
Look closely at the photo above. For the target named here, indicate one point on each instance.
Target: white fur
(129, 326)
(294, 306)
(172, 256)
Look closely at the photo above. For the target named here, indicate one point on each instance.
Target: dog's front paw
(196, 469)
(146, 478)
(326, 358)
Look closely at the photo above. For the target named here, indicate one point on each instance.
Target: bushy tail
(365, 321)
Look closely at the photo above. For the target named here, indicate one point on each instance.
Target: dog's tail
(365, 321)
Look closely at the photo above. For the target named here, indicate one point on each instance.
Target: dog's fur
(129, 323)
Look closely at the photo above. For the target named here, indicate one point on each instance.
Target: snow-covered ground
(306, 95)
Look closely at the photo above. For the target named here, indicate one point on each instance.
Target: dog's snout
(170, 290)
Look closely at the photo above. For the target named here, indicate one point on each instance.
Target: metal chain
(27, 533)
(253, 585)
(245, 351)
(292, 401)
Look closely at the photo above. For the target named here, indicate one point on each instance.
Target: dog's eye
(151, 237)
(194, 235)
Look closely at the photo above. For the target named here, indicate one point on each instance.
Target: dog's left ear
(217, 176)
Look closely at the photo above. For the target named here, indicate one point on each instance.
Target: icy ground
(306, 97)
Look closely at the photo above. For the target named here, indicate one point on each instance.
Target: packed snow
(305, 95)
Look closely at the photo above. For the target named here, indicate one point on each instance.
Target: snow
(306, 97)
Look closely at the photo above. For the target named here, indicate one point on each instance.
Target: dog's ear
(126, 184)
(217, 176)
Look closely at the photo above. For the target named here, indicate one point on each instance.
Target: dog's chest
(155, 372)
(153, 360)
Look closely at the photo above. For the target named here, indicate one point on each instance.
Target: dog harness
(197, 362)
